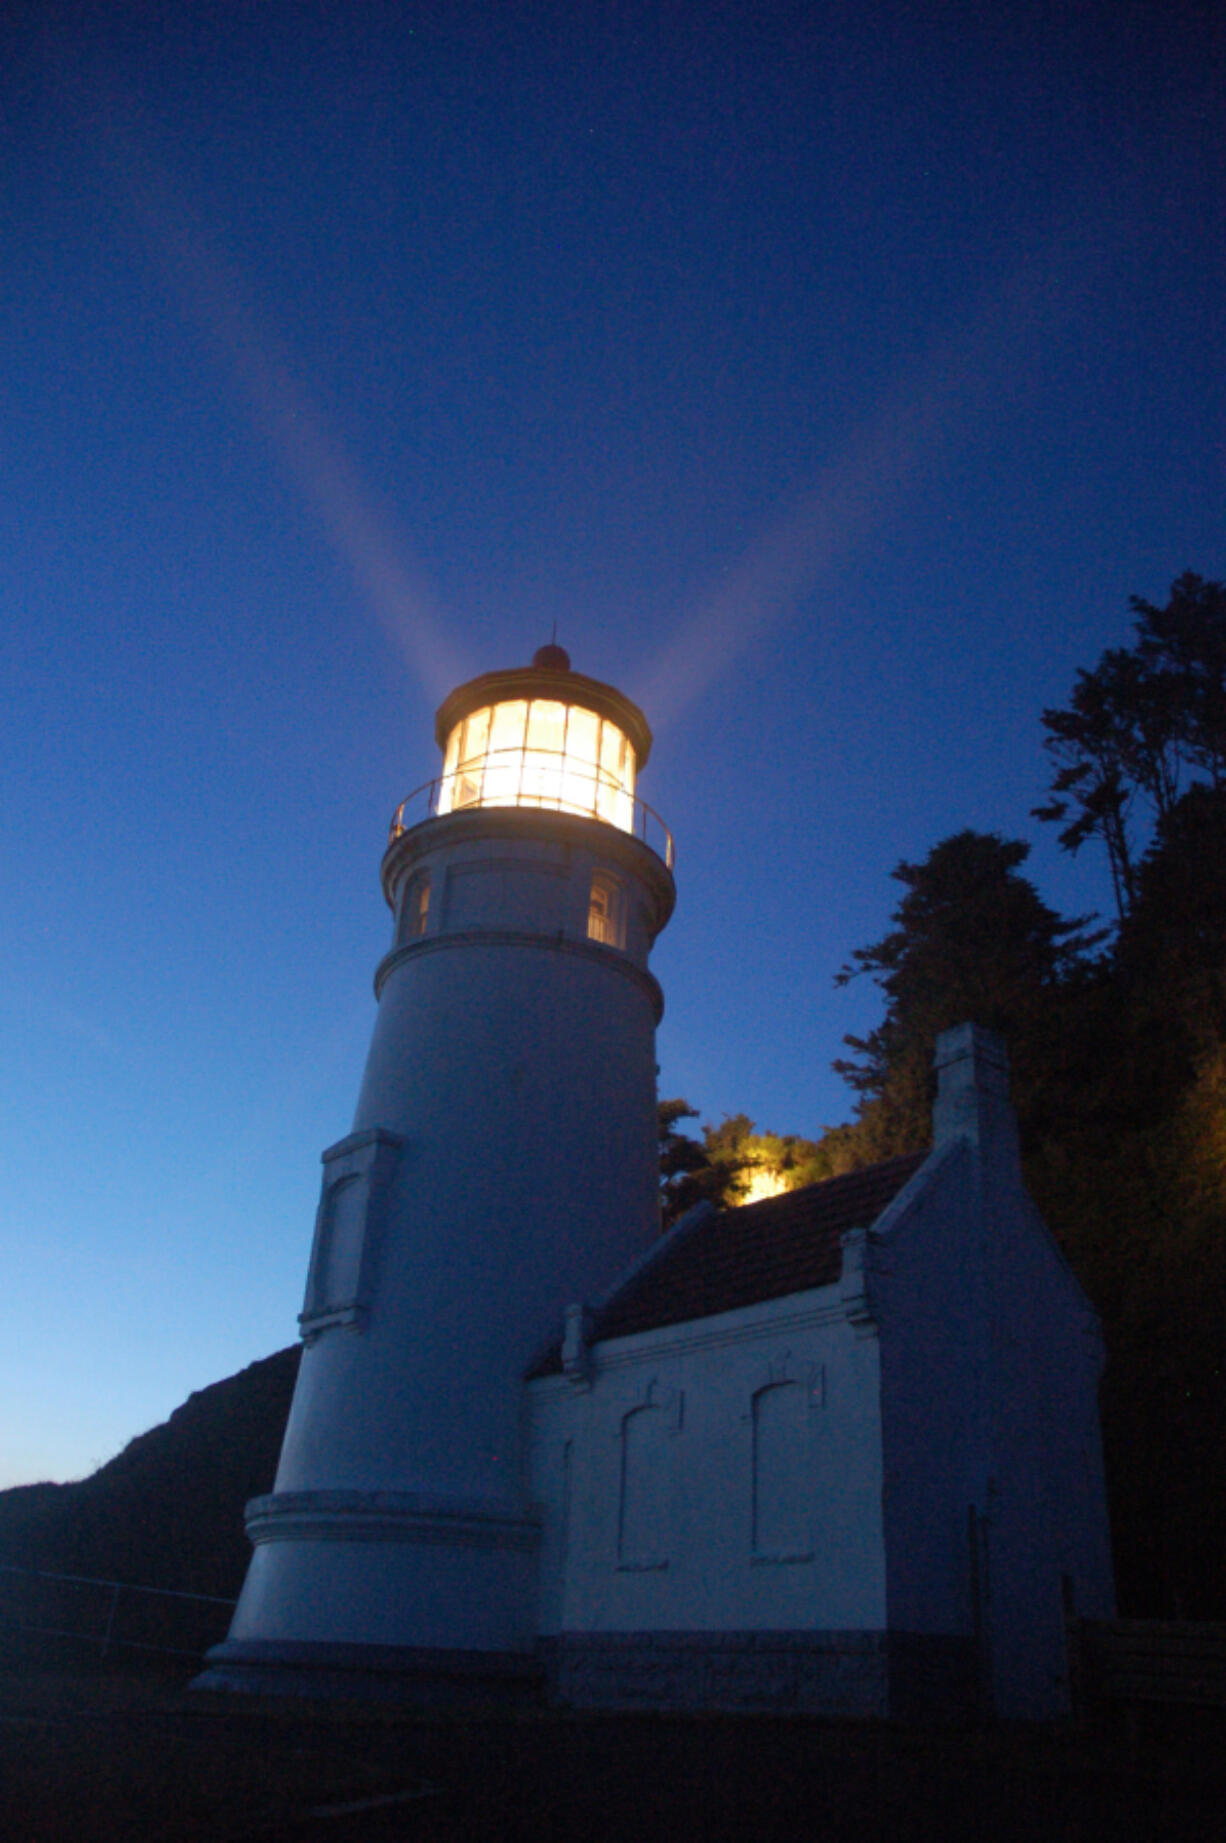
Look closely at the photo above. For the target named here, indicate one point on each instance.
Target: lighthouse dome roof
(549, 676)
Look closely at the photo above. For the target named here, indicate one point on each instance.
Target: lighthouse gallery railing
(448, 794)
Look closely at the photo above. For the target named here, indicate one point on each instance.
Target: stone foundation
(914, 1676)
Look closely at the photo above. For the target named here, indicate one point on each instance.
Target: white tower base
(502, 1164)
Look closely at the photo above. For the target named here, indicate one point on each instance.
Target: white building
(834, 1451)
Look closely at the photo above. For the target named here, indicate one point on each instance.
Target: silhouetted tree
(1184, 644)
(1137, 725)
(972, 939)
(686, 1177)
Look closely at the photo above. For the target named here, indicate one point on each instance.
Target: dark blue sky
(830, 374)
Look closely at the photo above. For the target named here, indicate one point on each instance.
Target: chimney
(973, 1092)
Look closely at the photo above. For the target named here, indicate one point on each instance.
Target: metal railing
(1129, 1663)
(645, 823)
(115, 1615)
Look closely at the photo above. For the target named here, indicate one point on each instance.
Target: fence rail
(1126, 1663)
(110, 1615)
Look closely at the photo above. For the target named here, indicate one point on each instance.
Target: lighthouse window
(606, 912)
(547, 726)
(504, 756)
(466, 751)
(616, 776)
(416, 911)
(540, 752)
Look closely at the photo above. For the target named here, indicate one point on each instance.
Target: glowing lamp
(762, 1182)
(542, 736)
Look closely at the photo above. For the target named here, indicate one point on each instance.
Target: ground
(99, 1755)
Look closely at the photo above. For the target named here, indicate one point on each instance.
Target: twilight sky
(831, 374)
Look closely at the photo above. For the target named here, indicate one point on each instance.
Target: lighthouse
(502, 1164)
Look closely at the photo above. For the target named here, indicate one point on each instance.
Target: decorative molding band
(400, 1673)
(669, 1403)
(389, 1516)
(532, 823)
(714, 1333)
(611, 957)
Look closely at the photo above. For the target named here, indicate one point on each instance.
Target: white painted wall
(947, 1465)
(510, 1095)
(706, 1573)
(990, 1365)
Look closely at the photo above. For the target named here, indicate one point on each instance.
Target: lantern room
(542, 736)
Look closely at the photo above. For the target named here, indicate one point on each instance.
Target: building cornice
(531, 824)
(609, 957)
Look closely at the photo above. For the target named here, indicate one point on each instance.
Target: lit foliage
(731, 1164)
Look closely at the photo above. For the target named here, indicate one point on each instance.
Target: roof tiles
(741, 1257)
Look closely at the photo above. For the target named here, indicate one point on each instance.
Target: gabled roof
(738, 1257)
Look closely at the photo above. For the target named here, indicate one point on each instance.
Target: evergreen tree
(972, 939)
(1138, 726)
(1184, 646)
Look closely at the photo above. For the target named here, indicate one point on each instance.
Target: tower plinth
(502, 1162)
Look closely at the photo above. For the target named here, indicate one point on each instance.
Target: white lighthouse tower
(502, 1163)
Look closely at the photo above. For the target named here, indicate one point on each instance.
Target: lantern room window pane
(447, 786)
(463, 762)
(542, 776)
(476, 735)
(502, 778)
(582, 738)
(612, 750)
(504, 760)
(541, 753)
(507, 726)
(547, 726)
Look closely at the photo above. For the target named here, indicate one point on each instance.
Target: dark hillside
(168, 1510)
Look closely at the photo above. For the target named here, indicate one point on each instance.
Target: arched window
(606, 914)
(642, 1532)
(781, 1483)
(416, 910)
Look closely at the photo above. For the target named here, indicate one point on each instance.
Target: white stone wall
(990, 1363)
(719, 1476)
(903, 1467)
(502, 1162)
